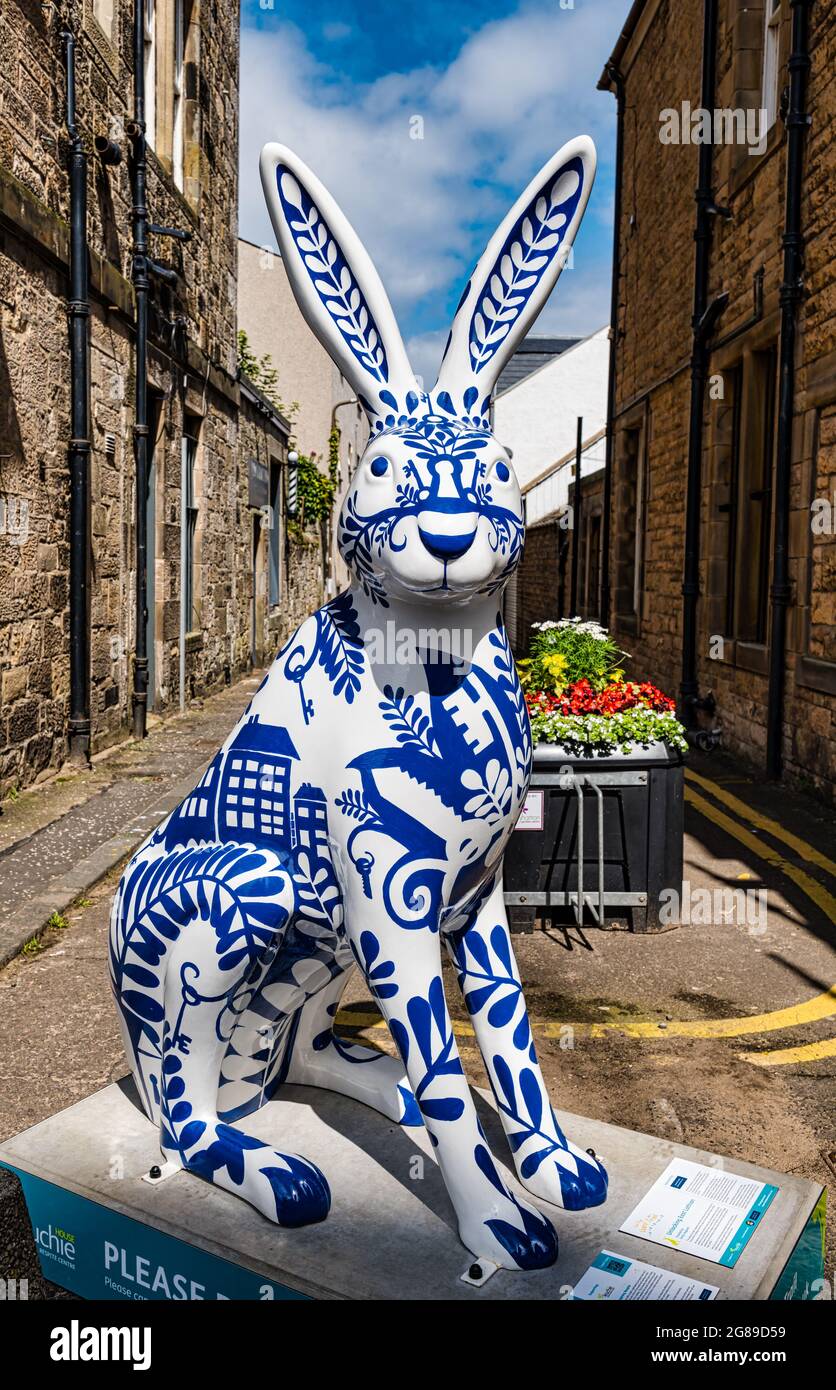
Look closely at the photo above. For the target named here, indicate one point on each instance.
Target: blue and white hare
(358, 813)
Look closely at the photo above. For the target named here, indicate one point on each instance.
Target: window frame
(771, 65)
(274, 555)
(178, 123)
(191, 512)
(149, 24)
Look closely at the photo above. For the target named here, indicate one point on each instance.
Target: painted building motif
(245, 794)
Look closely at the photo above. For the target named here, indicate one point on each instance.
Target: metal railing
(595, 900)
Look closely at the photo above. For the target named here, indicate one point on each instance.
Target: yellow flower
(554, 666)
(524, 672)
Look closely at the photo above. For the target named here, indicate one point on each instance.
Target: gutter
(250, 391)
(615, 80)
(704, 320)
(79, 443)
(139, 275)
(797, 121)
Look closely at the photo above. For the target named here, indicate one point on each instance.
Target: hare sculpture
(357, 815)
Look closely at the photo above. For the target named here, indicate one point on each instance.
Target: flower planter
(628, 808)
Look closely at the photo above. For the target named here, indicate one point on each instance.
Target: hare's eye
(379, 466)
(502, 471)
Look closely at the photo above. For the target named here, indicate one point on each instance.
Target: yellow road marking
(756, 818)
(811, 1011)
(810, 886)
(786, 1056)
(821, 1006)
(795, 1015)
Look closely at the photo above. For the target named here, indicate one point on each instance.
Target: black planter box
(633, 804)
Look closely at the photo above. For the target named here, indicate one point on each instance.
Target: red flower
(581, 698)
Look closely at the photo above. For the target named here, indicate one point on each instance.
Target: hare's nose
(447, 535)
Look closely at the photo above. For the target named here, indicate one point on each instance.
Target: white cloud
(517, 89)
(336, 31)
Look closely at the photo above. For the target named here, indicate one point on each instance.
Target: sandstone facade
(661, 65)
(194, 390)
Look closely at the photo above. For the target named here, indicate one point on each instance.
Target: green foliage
(609, 733)
(261, 372)
(316, 491)
(334, 453)
(586, 651)
(247, 361)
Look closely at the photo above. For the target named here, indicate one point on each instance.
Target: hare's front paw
(570, 1178)
(509, 1232)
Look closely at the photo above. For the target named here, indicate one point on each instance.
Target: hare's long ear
(336, 286)
(514, 278)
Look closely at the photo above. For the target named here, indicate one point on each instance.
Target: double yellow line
(822, 1005)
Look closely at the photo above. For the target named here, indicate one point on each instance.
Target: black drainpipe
(616, 79)
(79, 444)
(703, 322)
(139, 274)
(792, 292)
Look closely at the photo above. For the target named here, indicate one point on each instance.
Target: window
(771, 44)
(177, 135)
(821, 538)
(630, 508)
(590, 597)
(751, 497)
(275, 570)
(189, 522)
(103, 13)
(728, 427)
(150, 25)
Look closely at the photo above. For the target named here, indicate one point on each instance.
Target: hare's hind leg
(320, 1057)
(209, 978)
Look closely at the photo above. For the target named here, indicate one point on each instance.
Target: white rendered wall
(537, 418)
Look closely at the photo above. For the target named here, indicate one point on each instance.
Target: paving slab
(50, 856)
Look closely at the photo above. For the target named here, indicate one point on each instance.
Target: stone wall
(314, 393)
(537, 580)
(662, 65)
(192, 378)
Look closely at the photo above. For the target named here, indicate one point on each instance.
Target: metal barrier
(595, 901)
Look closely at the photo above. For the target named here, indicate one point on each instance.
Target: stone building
(323, 410)
(546, 585)
(546, 387)
(718, 476)
(216, 447)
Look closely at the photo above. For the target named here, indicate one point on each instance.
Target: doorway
(154, 417)
(259, 586)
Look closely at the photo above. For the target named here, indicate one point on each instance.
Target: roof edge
(627, 32)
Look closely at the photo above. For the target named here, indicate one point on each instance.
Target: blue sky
(498, 87)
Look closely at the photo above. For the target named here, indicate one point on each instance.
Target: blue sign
(98, 1253)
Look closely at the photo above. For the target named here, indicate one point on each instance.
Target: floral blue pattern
(531, 245)
(358, 813)
(331, 275)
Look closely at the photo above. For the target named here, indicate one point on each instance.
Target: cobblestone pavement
(51, 827)
(718, 1034)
